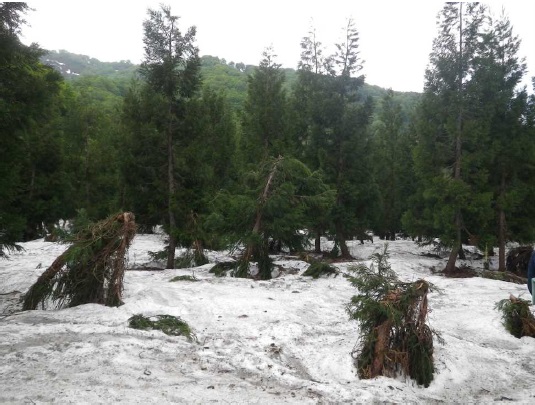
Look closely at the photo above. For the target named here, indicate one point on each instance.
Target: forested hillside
(72, 65)
(224, 154)
(216, 73)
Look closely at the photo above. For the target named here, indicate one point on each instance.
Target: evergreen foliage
(518, 260)
(470, 100)
(318, 269)
(74, 66)
(394, 336)
(222, 268)
(93, 147)
(31, 182)
(272, 204)
(392, 150)
(265, 132)
(171, 68)
(517, 317)
(190, 259)
(184, 278)
(331, 123)
(511, 149)
(353, 157)
(91, 270)
(168, 324)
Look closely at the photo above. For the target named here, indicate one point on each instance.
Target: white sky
(395, 37)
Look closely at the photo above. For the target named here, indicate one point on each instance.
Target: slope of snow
(287, 340)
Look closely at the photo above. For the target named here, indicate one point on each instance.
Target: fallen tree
(517, 317)
(394, 336)
(91, 270)
(518, 259)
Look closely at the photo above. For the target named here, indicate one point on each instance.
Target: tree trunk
(317, 242)
(263, 198)
(381, 347)
(265, 195)
(344, 251)
(458, 148)
(171, 189)
(340, 234)
(502, 227)
(462, 256)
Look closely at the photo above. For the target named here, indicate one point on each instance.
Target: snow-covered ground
(287, 340)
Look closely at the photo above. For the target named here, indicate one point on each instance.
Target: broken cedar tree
(91, 270)
(394, 336)
(517, 317)
(257, 246)
(518, 259)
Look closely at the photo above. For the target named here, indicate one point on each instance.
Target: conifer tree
(93, 147)
(332, 126)
(501, 72)
(207, 165)
(312, 59)
(393, 165)
(271, 205)
(143, 165)
(450, 130)
(171, 68)
(265, 132)
(30, 148)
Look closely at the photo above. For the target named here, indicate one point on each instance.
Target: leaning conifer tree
(91, 270)
(271, 205)
(394, 335)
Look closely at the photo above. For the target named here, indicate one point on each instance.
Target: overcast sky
(395, 36)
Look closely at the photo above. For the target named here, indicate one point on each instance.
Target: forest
(226, 154)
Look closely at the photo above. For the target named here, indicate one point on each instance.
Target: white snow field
(287, 340)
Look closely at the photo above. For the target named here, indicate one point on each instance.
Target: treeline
(275, 153)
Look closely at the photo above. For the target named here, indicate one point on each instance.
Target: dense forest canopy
(223, 154)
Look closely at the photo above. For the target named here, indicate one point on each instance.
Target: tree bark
(458, 148)
(171, 189)
(317, 242)
(263, 198)
(344, 250)
(502, 227)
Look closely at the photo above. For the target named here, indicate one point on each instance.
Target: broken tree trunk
(91, 270)
(517, 317)
(395, 338)
(255, 249)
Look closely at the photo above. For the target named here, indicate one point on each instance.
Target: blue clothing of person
(531, 270)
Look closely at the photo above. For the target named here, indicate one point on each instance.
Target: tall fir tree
(171, 68)
(393, 165)
(450, 130)
(506, 105)
(93, 142)
(144, 188)
(30, 149)
(265, 128)
(332, 127)
(207, 165)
